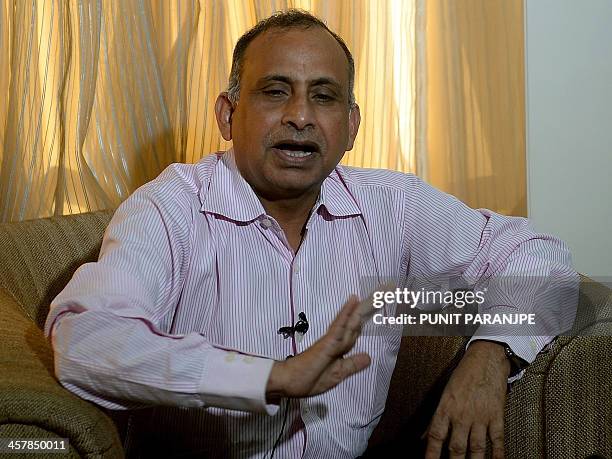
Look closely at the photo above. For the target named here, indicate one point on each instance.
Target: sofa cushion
(39, 256)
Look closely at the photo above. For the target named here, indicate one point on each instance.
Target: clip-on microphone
(301, 326)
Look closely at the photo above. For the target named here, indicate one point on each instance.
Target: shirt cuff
(525, 347)
(236, 381)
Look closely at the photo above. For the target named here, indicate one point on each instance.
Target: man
(201, 267)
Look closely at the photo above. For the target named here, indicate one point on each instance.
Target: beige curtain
(475, 103)
(99, 96)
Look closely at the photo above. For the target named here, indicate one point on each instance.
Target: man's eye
(274, 92)
(323, 98)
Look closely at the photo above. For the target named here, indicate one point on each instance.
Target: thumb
(354, 364)
(340, 370)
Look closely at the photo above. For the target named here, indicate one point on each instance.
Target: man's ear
(224, 110)
(354, 121)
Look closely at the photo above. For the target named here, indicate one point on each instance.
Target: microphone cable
(301, 327)
(280, 435)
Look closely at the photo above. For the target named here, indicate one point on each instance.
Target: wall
(569, 126)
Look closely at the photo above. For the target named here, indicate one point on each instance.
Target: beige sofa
(561, 408)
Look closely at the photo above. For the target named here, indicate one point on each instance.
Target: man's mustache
(309, 139)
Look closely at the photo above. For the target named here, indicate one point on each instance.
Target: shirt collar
(335, 195)
(228, 193)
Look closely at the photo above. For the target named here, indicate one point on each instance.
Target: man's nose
(298, 113)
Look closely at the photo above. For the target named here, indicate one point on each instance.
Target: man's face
(292, 123)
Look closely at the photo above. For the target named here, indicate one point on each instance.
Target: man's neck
(290, 211)
(291, 214)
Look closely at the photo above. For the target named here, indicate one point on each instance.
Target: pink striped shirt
(181, 310)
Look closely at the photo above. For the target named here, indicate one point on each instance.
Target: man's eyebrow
(326, 81)
(275, 77)
(285, 79)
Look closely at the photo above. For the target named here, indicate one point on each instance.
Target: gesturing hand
(472, 405)
(323, 365)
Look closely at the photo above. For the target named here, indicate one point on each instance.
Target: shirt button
(296, 268)
(266, 223)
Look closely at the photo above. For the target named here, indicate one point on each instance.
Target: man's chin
(293, 192)
(293, 189)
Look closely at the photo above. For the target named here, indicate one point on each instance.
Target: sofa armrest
(562, 406)
(32, 402)
(577, 401)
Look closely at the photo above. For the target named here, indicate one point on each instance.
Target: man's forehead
(294, 47)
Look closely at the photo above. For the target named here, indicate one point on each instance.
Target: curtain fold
(475, 102)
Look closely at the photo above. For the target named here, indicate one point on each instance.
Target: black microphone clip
(301, 326)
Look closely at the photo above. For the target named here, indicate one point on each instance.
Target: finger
(478, 441)
(353, 328)
(457, 447)
(436, 434)
(366, 307)
(496, 434)
(338, 327)
(332, 344)
(346, 312)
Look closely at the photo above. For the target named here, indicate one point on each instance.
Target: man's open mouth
(297, 149)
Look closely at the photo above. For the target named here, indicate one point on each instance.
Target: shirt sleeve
(107, 325)
(519, 269)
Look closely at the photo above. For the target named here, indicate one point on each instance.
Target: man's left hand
(472, 405)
